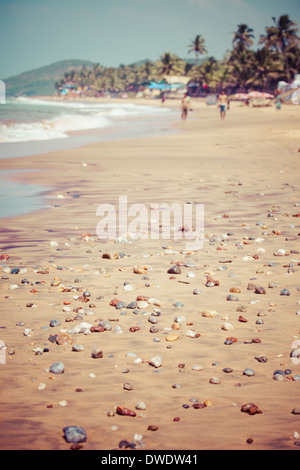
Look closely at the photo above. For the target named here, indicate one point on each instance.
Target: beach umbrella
(259, 94)
(240, 96)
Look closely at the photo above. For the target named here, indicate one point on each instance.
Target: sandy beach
(223, 351)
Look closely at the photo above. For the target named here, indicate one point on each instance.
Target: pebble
(232, 298)
(210, 313)
(64, 338)
(75, 434)
(172, 337)
(214, 380)
(191, 334)
(121, 410)
(197, 292)
(156, 361)
(127, 386)
(285, 292)
(251, 409)
(197, 367)
(97, 353)
(260, 290)
(57, 368)
(174, 270)
(140, 406)
(227, 327)
(77, 347)
(249, 372)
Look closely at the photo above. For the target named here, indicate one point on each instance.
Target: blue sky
(35, 33)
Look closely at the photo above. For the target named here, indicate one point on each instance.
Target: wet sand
(245, 170)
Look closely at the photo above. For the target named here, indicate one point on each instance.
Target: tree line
(276, 57)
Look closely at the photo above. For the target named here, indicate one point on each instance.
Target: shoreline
(242, 169)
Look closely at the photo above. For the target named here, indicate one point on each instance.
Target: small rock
(156, 361)
(227, 327)
(232, 298)
(235, 290)
(174, 270)
(127, 386)
(97, 353)
(172, 337)
(121, 410)
(285, 292)
(75, 434)
(57, 368)
(63, 338)
(140, 405)
(250, 408)
(77, 347)
(260, 290)
(214, 380)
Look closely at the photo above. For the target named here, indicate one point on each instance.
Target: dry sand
(242, 169)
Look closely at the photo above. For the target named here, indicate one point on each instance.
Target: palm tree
(281, 37)
(267, 68)
(207, 72)
(243, 38)
(169, 64)
(197, 46)
(223, 76)
(146, 71)
(242, 66)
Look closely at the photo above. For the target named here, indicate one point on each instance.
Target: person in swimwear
(223, 103)
(185, 106)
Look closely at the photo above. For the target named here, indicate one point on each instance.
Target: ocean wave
(55, 128)
(34, 119)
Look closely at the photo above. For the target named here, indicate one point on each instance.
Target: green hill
(41, 81)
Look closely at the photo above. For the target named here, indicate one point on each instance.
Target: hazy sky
(35, 33)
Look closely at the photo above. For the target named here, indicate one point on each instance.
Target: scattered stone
(197, 292)
(64, 338)
(97, 353)
(232, 298)
(251, 409)
(214, 380)
(174, 270)
(74, 434)
(152, 427)
(235, 290)
(121, 410)
(285, 292)
(140, 405)
(57, 368)
(127, 386)
(260, 290)
(156, 361)
(172, 337)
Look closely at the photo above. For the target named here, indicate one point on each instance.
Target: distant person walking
(223, 103)
(278, 102)
(185, 106)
